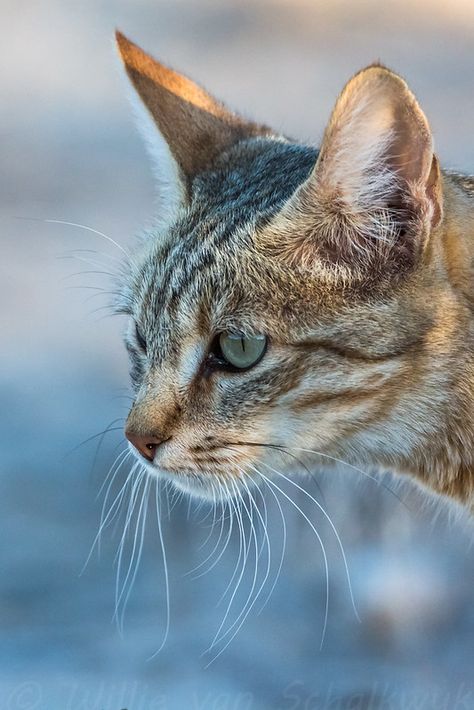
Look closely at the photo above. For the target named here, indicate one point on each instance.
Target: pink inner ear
(412, 150)
(377, 150)
(375, 192)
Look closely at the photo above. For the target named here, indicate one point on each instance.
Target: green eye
(240, 352)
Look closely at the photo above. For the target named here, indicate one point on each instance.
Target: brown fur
(438, 302)
(181, 108)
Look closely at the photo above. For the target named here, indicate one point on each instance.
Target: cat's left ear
(186, 129)
(376, 187)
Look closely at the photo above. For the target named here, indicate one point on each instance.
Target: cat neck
(446, 461)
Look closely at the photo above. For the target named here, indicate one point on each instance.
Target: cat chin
(187, 484)
(199, 485)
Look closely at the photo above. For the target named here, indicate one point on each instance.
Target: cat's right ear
(185, 128)
(375, 193)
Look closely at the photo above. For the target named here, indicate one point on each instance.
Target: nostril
(148, 451)
(145, 445)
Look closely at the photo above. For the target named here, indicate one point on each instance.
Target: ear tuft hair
(375, 191)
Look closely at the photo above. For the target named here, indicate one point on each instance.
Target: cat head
(282, 302)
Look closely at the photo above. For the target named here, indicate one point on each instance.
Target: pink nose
(146, 444)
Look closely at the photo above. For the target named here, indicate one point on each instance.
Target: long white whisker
(321, 544)
(214, 549)
(349, 465)
(245, 548)
(253, 535)
(88, 272)
(135, 547)
(165, 566)
(333, 528)
(227, 540)
(114, 469)
(136, 495)
(212, 509)
(143, 514)
(235, 515)
(176, 496)
(120, 552)
(283, 547)
(108, 519)
(77, 254)
(89, 229)
(240, 620)
(114, 508)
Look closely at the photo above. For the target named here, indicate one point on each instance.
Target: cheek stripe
(377, 385)
(314, 399)
(347, 353)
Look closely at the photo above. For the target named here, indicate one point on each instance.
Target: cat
(294, 302)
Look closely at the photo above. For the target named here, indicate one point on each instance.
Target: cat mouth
(206, 475)
(209, 466)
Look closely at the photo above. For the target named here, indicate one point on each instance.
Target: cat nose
(146, 444)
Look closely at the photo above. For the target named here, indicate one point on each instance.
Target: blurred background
(70, 152)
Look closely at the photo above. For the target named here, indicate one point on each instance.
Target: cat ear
(376, 186)
(193, 127)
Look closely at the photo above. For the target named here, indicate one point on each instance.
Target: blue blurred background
(70, 152)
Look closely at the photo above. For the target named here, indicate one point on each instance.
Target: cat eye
(234, 352)
(140, 339)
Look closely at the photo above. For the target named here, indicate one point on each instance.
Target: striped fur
(358, 268)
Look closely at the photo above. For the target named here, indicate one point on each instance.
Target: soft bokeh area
(70, 152)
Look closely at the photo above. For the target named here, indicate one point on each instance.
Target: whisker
(249, 604)
(378, 481)
(89, 229)
(120, 552)
(88, 272)
(143, 515)
(211, 510)
(284, 450)
(282, 555)
(215, 548)
(107, 520)
(253, 535)
(116, 505)
(77, 254)
(321, 544)
(235, 515)
(281, 447)
(165, 567)
(224, 548)
(114, 469)
(119, 617)
(108, 307)
(242, 546)
(90, 288)
(333, 528)
(102, 433)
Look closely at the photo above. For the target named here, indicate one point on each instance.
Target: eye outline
(140, 340)
(216, 359)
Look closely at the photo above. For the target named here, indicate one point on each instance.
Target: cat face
(278, 308)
